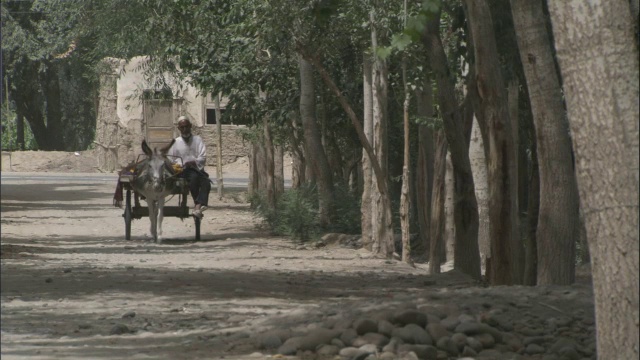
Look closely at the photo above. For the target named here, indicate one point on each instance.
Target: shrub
(10, 133)
(295, 213)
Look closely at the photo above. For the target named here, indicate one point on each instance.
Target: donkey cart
(136, 211)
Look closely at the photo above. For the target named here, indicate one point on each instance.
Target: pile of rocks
(445, 332)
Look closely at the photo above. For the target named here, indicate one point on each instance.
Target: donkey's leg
(153, 217)
(160, 218)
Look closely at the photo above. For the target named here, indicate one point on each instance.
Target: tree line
(371, 95)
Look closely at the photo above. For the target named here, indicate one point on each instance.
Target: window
(211, 116)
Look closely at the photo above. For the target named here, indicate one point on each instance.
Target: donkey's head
(157, 168)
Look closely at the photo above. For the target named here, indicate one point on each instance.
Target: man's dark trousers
(199, 185)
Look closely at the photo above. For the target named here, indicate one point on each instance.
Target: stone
(450, 323)
(392, 346)
(486, 340)
(458, 340)
(533, 349)
(468, 351)
(387, 356)
(436, 331)
(352, 353)
(569, 353)
(512, 341)
(385, 327)
(432, 310)
(119, 329)
(290, 346)
(475, 344)
(465, 318)
(413, 334)
(269, 341)
(348, 336)
(562, 343)
(410, 317)
(365, 325)
(422, 351)
(376, 339)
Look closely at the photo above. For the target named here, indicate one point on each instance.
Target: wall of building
(125, 111)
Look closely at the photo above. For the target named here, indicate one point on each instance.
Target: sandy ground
(73, 288)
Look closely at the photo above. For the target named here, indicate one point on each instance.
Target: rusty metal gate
(159, 118)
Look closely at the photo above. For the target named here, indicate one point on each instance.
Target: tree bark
(598, 57)
(367, 173)
(501, 176)
(467, 255)
(405, 195)
(106, 126)
(558, 223)
(381, 183)
(479, 168)
(424, 169)
(437, 203)
(382, 234)
(278, 170)
(267, 145)
(298, 168)
(533, 209)
(219, 148)
(316, 155)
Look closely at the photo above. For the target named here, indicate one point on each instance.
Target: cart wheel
(197, 221)
(127, 217)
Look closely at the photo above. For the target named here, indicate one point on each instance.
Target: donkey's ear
(146, 149)
(165, 150)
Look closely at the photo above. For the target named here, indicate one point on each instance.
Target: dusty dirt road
(73, 288)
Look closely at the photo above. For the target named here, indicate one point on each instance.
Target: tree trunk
(598, 57)
(382, 234)
(278, 170)
(51, 89)
(533, 209)
(367, 172)
(449, 249)
(381, 183)
(424, 169)
(558, 223)
(512, 101)
(405, 195)
(298, 168)
(28, 101)
(219, 148)
(107, 124)
(467, 258)
(479, 168)
(437, 203)
(20, 131)
(501, 176)
(316, 156)
(267, 144)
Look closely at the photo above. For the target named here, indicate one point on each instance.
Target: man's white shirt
(193, 150)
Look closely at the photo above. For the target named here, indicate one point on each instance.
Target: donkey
(155, 179)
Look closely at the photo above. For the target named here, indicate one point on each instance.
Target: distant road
(89, 178)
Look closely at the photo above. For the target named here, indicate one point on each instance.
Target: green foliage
(434, 123)
(296, 212)
(9, 133)
(347, 216)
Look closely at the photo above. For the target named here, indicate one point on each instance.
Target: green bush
(10, 133)
(346, 214)
(296, 212)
